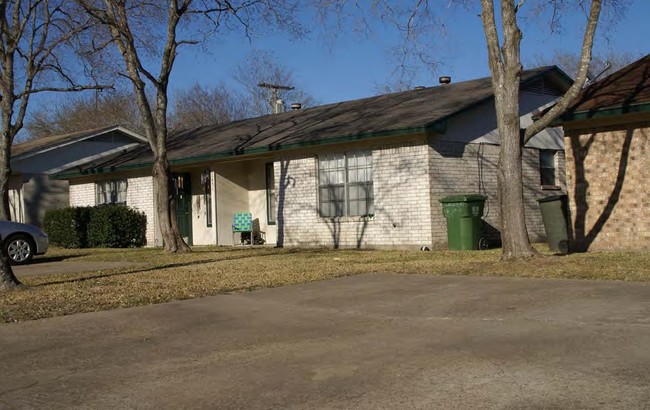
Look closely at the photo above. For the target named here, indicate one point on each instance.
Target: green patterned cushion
(242, 222)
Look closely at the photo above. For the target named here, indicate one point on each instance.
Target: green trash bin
(554, 216)
(463, 214)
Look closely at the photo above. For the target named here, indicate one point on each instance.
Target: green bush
(101, 226)
(67, 227)
(115, 226)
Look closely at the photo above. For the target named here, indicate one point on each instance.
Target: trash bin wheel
(483, 243)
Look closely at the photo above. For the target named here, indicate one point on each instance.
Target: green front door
(183, 203)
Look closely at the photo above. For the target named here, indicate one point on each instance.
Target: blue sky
(353, 65)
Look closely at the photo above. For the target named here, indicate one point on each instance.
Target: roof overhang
(434, 128)
(603, 112)
(83, 137)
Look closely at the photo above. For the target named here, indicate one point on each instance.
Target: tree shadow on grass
(48, 259)
(94, 275)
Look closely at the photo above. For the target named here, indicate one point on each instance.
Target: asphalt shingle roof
(389, 114)
(626, 87)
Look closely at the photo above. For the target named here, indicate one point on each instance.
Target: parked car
(22, 241)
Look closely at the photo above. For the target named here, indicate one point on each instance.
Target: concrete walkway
(364, 342)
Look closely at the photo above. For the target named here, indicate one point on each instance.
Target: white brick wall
(82, 194)
(139, 195)
(402, 205)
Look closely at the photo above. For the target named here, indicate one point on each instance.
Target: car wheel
(20, 249)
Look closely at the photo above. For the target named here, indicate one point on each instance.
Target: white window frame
(544, 168)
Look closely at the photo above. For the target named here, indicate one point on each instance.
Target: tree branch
(63, 89)
(581, 77)
(492, 37)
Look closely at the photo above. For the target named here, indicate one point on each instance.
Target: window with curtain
(345, 184)
(111, 192)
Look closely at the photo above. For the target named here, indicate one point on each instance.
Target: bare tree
(84, 113)
(504, 57)
(601, 64)
(132, 28)
(198, 106)
(264, 67)
(393, 86)
(37, 39)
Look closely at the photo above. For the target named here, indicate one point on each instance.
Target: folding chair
(242, 223)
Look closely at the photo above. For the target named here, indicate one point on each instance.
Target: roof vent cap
(445, 79)
(419, 87)
(296, 106)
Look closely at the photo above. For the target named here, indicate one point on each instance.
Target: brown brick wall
(607, 181)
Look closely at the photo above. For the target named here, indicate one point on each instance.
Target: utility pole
(275, 101)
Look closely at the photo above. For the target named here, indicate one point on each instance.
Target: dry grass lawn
(212, 270)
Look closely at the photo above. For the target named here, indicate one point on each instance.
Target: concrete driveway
(364, 342)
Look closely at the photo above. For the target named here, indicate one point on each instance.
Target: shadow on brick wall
(583, 238)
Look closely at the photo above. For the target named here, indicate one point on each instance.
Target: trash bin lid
(552, 198)
(463, 198)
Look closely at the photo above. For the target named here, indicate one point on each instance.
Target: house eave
(602, 113)
(436, 127)
(117, 128)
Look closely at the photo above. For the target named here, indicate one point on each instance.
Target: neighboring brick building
(607, 137)
(363, 173)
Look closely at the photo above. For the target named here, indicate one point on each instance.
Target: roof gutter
(602, 112)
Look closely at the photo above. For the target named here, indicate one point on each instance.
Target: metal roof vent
(296, 106)
(419, 87)
(445, 79)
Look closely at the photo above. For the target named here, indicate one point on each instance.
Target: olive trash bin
(554, 216)
(464, 220)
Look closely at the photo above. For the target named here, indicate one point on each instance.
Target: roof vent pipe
(419, 87)
(296, 106)
(278, 107)
(445, 79)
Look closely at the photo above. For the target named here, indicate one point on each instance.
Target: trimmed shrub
(67, 227)
(101, 226)
(116, 226)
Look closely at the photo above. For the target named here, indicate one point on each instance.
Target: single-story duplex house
(362, 173)
(32, 192)
(607, 137)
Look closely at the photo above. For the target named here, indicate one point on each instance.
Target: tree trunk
(7, 278)
(5, 172)
(163, 193)
(514, 235)
(505, 66)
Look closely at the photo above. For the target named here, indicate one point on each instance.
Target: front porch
(208, 196)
